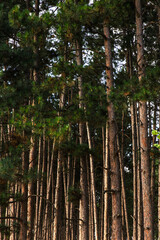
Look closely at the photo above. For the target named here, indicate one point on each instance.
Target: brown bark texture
(145, 166)
(83, 205)
(115, 173)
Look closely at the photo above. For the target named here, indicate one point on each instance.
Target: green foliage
(5, 230)
(9, 168)
(45, 44)
(156, 133)
(74, 195)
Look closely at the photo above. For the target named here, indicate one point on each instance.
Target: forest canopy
(79, 120)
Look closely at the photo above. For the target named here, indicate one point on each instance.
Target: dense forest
(79, 120)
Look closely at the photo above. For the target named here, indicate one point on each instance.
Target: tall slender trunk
(159, 188)
(12, 212)
(145, 167)
(83, 205)
(1, 141)
(153, 163)
(134, 151)
(37, 191)
(73, 235)
(30, 212)
(68, 205)
(101, 235)
(52, 208)
(41, 188)
(106, 186)
(134, 143)
(158, 11)
(90, 204)
(65, 199)
(139, 182)
(48, 188)
(123, 189)
(57, 196)
(23, 225)
(30, 192)
(115, 173)
(58, 182)
(93, 188)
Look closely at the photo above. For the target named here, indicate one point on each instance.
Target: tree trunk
(37, 191)
(23, 225)
(93, 190)
(123, 189)
(134, 151)
(153, 163)
(30, 212)
(106, 186)
(58, 181)
(73, 235)
(57, 196)
(159, 188)
(30, 191)
(115, 173)
(134, 143)
(83, 205)
(48, 188)
(145, 167)
(158, 11)
(139, 182)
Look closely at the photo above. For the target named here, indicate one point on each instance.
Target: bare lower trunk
(115, 173)
(72, 207)
(106, 187)
(58, 181)
(37, 191)
(134, 144)
(158, 11)
(134, 151)
(23, 225)
(139, 182)
(30, 207)
(145, 166)
(83, 205)
(68, 205)
(123, 189)
(48, 188)
(93, 190)
(153, 164)
(30, 212)
(90, 205)
(57, 196)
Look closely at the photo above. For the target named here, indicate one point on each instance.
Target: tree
(115, 174)
(145, 167)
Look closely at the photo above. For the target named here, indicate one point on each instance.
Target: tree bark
(48, 188)
(158, 11)
(134, 156)
(145, 167)
(123, 189)
(30, 212)
(139, 182)
(23, 224)
(153, 163)
(106, 186)
(83, 204)
(58, 182)
(37, 191)
(30, 191)
(115, 173)
(93, 189)
(159, 188)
